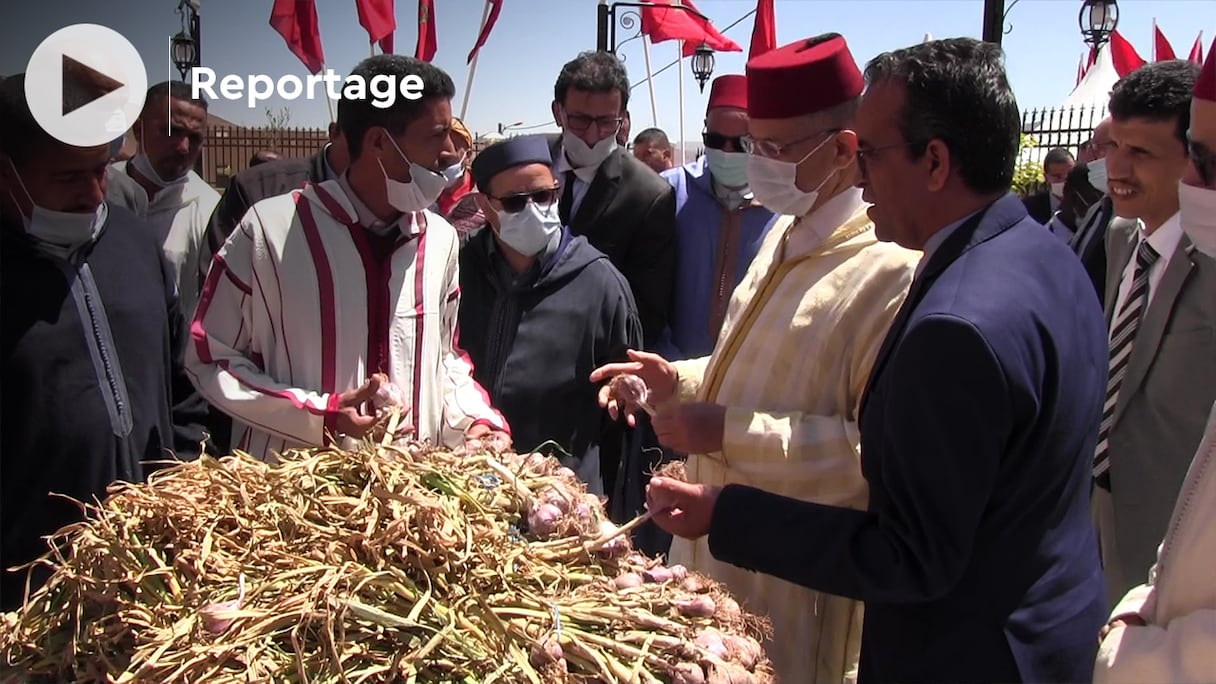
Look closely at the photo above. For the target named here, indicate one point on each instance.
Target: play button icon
(85, 84)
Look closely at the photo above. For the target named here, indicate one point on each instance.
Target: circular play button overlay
(85, 84)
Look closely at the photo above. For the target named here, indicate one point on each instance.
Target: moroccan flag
(495, 7)
(425, 50)
(1123, 55)
(1162, 50)
(378, 18)
(764, 32)
(668, 22)
(1197, 50)
(296, 21)
(1080, 68)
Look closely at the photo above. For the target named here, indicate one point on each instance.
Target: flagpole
(468, 87)
(654, 110)
(1154, 39)
(330, 101)
(680, 69)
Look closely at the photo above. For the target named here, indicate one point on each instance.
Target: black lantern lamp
(1098, 20)
(184, 53)
(703, 64)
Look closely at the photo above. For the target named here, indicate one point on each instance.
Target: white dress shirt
(577, 177)
(935, 241)
(1165, 240)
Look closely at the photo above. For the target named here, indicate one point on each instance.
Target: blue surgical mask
(728, 168)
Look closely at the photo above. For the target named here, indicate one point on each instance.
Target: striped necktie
(1127, 321)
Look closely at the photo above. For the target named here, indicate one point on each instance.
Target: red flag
(671, 23)
(764, 32)
(1123, 55)
(378, 18)
(1080, 68)
(1162, 50)
(425, 50)
(296, 21)
(1197, 50)
(495, 7)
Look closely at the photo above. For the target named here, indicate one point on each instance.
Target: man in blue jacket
(976, 559)
(719, 225)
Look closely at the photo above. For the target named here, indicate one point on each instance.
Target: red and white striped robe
(297, 309)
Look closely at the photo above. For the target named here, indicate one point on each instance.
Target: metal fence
(1052, 127)
(228, 148)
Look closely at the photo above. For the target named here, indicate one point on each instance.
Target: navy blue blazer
(977, 560)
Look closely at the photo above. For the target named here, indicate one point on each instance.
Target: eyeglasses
(765, 147)
(579, 123)
(717, 141)
(864, 153)
(1204, 160)
(513, 204)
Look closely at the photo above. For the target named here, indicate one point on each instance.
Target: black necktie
(565, 206)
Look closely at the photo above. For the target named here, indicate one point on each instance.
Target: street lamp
(503, 128)
(702, 64)
(606, 23)
(1098, 20)
(186, 46)
(184, 53)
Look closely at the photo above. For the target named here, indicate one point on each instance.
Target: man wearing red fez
(975, 556)
(1165, 630)
(719, 224)
(775, 405)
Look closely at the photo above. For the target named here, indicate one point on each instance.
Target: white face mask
(774, 183)
(60, 232)
(1097, 174)
(1198, 208)
(585, 159)
(454, 173)
(1057, 190)
(531, 230)
(728, 168)
(144, 166)
(424, 187)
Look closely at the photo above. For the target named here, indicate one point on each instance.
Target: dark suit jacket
(976, 560)
(1039, 207)
(1164, 400)
(629, 214)
(250, 186)
(1090, 244)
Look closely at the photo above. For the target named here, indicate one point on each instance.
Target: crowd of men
(933, 431)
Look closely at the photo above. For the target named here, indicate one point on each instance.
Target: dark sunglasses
(717, 141)
(1204, 161)
(513, 204)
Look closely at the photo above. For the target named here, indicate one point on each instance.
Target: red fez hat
(804, 77)
(1205, 87)
(728, 91)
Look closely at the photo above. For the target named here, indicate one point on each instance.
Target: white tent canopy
(1072, 123)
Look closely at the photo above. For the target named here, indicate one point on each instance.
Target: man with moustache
(775, 405)
(975, 557)
(1160, 304)
(1165, 630)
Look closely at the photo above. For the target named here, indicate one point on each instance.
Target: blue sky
(533, 38)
